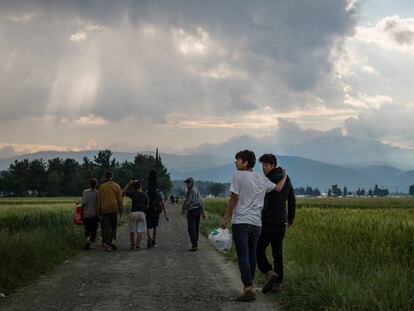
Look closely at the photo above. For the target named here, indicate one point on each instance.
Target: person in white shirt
(248, 190)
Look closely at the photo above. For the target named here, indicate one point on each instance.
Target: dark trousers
(274, 235)
(108, 227)
(193, 221)
(245, 238)
(91, 226)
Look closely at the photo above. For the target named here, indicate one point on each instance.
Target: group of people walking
(256, 209)
(106, 204)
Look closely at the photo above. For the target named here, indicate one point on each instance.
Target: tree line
(335, 191)
(68, 177)
(308, 191)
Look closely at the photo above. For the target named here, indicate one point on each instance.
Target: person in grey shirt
(194, 207)
(89, 204)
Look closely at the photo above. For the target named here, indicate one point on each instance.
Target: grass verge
(36, 237)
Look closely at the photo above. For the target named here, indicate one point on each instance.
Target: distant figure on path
(137, 223)
(248, 190)
(172, 199)
(156, 207)
(274, 220)
(89, 204)
(109, 205)
(194, 207)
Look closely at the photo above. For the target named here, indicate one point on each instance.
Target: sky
(133, 75)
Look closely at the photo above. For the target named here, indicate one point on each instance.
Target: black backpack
(155, 203)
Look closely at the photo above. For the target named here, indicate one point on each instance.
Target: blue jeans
(245, 238)
(193, 221)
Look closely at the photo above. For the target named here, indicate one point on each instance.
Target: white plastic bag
(221, 239)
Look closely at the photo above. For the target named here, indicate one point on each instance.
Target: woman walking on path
(137, 223)
(156, 207)
(89, 204)
(195, 209)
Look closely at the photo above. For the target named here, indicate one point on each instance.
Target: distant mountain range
(303, 171)
(341, 150)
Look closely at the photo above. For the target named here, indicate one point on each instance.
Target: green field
(345, 254)
(36, 235)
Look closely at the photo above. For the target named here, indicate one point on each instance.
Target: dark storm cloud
(94, 57)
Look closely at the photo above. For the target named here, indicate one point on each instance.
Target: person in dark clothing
(172, 199)
(156, 207)
(274, 220)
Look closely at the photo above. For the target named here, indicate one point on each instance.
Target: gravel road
(164, 278)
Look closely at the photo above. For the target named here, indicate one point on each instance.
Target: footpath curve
(164, 278)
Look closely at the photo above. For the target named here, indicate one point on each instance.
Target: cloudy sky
(130, 75)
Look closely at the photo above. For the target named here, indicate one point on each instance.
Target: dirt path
(164, 278)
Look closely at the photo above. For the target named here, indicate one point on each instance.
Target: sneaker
(193, 249)
(154, 244)
(107, 248)
(113, 246)
(132, 246)
(137, 248)
(149, 243)
(248, 295)
(271, 278)
(87, 246)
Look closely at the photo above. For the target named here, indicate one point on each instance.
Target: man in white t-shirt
(248, 190)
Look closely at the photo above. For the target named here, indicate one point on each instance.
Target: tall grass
(349, 258)
(36, 235)
(357, 202)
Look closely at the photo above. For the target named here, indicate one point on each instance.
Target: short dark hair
(136, 184)
(108, 174)
(247, 155)
(268, 158)
(93, 182)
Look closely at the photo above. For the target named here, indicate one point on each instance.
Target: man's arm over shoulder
(281, 183)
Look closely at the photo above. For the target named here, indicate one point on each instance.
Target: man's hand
(204, 216)
(224, 223)
(167, 218)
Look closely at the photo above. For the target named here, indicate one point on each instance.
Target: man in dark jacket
(274, 220)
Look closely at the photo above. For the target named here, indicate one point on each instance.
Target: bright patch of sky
(374, 10)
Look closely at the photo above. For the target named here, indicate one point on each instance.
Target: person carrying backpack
(156, 207)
